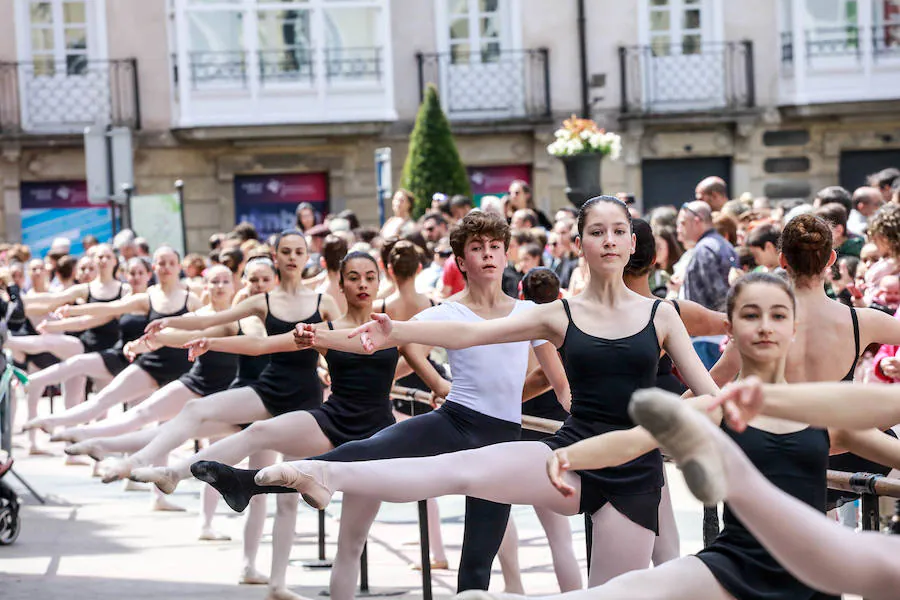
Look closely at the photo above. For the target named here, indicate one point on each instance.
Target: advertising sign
(494, 181)
(158, 219)
(52, 209)
(270, 202)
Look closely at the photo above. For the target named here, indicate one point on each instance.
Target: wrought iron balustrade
(353, 64)
(64, 96)
(688, 77)
(847, 41)
(490, 84)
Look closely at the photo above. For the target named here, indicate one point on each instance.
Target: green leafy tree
(432, 163)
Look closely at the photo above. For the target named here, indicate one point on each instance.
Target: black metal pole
(588, 539)
(751, 80)
(545, 56)
(179, 189)
(623, 76)
(871, 513)
(582, 57)
(364, 570)
(128, 191)
(420, 59)
(424, 550)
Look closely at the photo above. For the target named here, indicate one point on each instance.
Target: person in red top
(452, 280)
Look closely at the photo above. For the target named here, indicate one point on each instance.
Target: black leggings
(451, 428)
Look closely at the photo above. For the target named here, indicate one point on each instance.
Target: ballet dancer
(289, 382)
(820, 349)
(100, 366)
(483, 405)
(625, 329)
(818, 551)
(212, 373)
(152, 370)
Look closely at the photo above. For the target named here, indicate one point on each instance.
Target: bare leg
(667, 545)
(283, 530)
(293, 434)
(559, 536)
(80, 366)
(130, 385)
(800, 538)
(435, 536)
(357, 515)
(507, 473)
(59, 345)
(161, 405)
(509, 559)
(254, 523)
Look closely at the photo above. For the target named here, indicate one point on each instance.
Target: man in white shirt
(866, 202)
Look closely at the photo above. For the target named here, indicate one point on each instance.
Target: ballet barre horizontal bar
(539, 424)
(864, 483)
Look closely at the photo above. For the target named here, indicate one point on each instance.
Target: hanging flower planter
(581, 145)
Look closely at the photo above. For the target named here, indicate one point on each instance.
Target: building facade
(256, 104)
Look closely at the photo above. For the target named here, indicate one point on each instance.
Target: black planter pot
(582, 177)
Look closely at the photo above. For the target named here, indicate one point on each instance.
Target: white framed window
(59, 36)
(677, 26)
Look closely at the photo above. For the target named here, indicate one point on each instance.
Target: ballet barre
(869, 486)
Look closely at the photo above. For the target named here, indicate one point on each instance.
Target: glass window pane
(659, 20)
(215, 31)
(660, 45)
(76, 64)
(460, 53)
(690, 44)
(284, 29)
(76, 38)
(459, 29)
(659, 2)
(41, 13)
(490, 27)
(490, 52)
(489, 5)
(691, 19)
(353, 44)
(74, 13)
(41, 39)
(43, 65)
(458, 7)
(214, 1)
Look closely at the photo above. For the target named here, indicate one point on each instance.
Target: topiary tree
(432, 163)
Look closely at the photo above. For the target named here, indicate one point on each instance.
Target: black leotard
(289, 382)
(212, 372)
(131, 327)
(101, 337)
(603, 374)
(360, 401)
(249, 367)
(796, 463)
(165, 365)
(848, 462)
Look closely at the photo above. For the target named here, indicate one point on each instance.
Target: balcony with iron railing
(489, 86)
(283, 86)
(840, 64)
(64, 97)
(687, 78)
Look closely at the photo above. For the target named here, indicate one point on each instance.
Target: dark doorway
(856, 165)
(672, 181)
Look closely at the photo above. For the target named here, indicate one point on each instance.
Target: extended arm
(72, 324)
(678, 345)
(838, 405)
(699, 320)
(136, 303)
(872, 444)
(876, 327)
(246, 344)
(253, 306)
(49, 301)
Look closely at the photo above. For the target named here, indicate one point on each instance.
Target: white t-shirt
(488, 379)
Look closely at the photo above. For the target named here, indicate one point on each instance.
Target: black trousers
(451, 428)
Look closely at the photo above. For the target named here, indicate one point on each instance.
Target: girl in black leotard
(607, 329)
(290, 303)
(824, 323)
(100, 366)
(212, 374)
(134, 383)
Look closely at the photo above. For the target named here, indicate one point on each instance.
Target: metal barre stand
(869, 487)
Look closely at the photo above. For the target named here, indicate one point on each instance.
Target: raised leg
(130, 385)
(59, 345)
(802, 539)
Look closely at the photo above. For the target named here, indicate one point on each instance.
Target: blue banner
(270, 202)
(52, 209)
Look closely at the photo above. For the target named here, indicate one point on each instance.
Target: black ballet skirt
(359, 405)
(796, 463)
(165, 365)
(603, 374)
(212, 372)
(131, 327)
(290, 380)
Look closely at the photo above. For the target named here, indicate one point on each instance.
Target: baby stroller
(10, 522)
